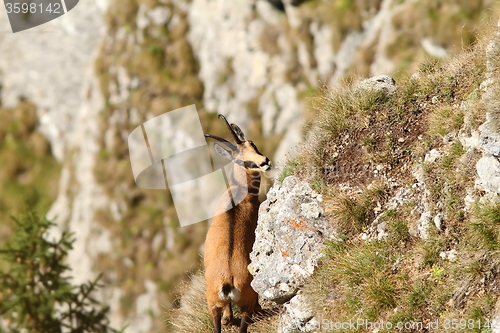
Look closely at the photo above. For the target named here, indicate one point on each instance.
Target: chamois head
(243, 152)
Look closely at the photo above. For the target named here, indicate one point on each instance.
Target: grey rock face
(382, 83)
(488, 171)
(488, 167)
(51, 66)
(438, 221)
(236, 70)
(298, 316)
(496, 317)
(289, 239)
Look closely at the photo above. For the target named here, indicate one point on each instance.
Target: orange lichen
(298, 224)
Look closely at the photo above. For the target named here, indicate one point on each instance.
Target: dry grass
(191, 314)
(352, 132)
(351, 213)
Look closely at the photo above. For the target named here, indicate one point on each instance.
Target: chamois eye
(250, 165)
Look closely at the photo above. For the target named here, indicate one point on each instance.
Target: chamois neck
(247, 180)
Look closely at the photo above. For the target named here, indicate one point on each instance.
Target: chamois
(232, 232)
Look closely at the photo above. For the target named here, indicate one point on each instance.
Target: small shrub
(437, 272)
(362, 274)
(36, 295)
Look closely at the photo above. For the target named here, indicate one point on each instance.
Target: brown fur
(230, 239)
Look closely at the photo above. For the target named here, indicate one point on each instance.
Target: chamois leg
(227, 315)
(216, 314)
(258, 308)
(245, 318)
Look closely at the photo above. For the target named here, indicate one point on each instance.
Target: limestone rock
(297, 316)
(488, 172)
(289, 241)
(488, 167)
(383, 83)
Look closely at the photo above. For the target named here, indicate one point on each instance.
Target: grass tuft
(445, 119)
(291, 167)
(485, 225)
(191, 315)
(351, 214)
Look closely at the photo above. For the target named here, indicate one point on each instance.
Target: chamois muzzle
(266, 165)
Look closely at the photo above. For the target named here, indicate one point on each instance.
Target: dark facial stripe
(254, 147)
(251, 165)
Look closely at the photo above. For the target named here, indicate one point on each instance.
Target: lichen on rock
(291, 230)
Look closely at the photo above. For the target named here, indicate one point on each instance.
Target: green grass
(394, 130)
(362, 274)
(398, 231)
(345, 109)
(446, 120)
(485, 226)
(291, 167)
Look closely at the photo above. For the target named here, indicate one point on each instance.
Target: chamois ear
(223, 151)
(238, 132)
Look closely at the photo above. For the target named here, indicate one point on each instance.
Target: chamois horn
(224, 141)
(236, 138)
